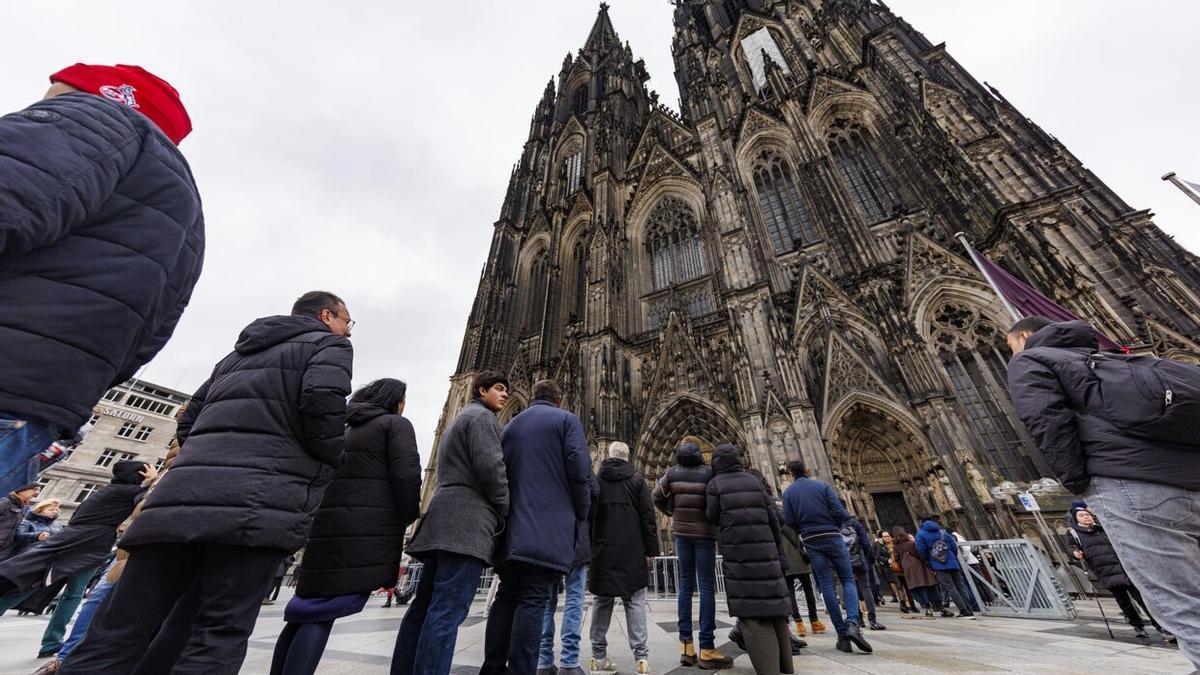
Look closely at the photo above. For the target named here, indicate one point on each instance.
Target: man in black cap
(12, 511)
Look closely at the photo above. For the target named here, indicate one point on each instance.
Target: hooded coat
(1099, 555)
(550, 478)
(261, 440)
(681, 493)
(85, 542)
(929, 533)
(749, 538)
(1050, 383)
(34, 525)
(624, 533)
(101, 242)
(358, 533)
(470, 503)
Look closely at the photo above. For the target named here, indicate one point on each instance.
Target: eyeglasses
(350, 324)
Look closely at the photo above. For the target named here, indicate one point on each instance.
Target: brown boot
(818, 627)
(800, 628)
(711, 659)
(687, 653)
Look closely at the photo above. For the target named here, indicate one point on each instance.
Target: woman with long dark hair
(922, 583)
(358, 533)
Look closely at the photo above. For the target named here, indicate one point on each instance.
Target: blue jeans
(697, 562)
(99, 592)
(425, 644)
(19, 448)
(572, 622)
(1155, 530)
(829, 555)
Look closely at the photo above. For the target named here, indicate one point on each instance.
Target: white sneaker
(643, 667)
(603, 666)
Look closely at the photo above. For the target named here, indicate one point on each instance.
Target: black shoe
(966, 615)
(1139, 633)
(854, 634)
(947, 613)
(797, 645)
(875, 625)
(843, 645)
(735, 636)
(929, 612)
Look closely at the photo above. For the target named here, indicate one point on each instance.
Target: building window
(156, 407)
(788, 223)
(127, 429)
(871, 187)
(114, 395)
(93, 419)
(676, 253)
(110, 455)
(85, 491)
(538, 273)
(158, 463)
(143, 434)
(579, 104)
(581, 280)
(753, 46)
(574, 172)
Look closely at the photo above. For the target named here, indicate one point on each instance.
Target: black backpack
(1146, 397)
(850, 539)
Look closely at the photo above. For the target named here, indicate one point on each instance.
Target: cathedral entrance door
(891, 510)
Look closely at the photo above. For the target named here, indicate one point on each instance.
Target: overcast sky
(365, 147)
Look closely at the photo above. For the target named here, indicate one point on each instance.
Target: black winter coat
(11, 515)
(358, 533)
(101, 242)
(749, 539)
(624, 533)
(1099, 555)
(261, 439)
(1050, 382)
(85, 542)
(681, 493)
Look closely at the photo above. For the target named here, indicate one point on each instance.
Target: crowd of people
(102, 236)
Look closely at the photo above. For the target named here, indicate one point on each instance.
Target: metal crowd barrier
(415, 570)
(1014, 579)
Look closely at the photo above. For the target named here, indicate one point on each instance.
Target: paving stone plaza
(362, 645)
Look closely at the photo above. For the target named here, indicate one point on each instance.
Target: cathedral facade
(776, 266)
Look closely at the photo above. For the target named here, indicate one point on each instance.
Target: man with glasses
(261, 439)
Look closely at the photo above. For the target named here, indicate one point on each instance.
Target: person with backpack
(1121, 431)
(937, 548)
(858, 542)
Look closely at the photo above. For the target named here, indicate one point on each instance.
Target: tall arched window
(673, 240)
(788, 222)
(539, 272)
(970, 349)
(579, 103)
(872, 188)
(579, 257)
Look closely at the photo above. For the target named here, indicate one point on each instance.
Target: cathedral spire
(602, 34)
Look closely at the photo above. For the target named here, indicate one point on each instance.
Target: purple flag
(1022, 300)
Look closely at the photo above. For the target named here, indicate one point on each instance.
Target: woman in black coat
(358, 532)
(750, 541)
(1092, 546)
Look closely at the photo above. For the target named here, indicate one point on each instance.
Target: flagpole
(1174, 180)
(1012, 311)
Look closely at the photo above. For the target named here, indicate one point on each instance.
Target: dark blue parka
(101, 242)
(549, 481)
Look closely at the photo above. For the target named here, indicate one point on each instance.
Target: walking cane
(1103, 615)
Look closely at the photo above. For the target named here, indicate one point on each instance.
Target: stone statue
(948, 489)
(935, 490)
(978, 482)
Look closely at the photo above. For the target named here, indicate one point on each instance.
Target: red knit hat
(135, 87)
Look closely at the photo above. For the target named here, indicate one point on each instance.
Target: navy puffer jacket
(1050, 382)
(261, 440)
(101, 242)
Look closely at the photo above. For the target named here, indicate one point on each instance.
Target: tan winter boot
(800, 628)
(687, 653)
(711, 659)
(818, 627)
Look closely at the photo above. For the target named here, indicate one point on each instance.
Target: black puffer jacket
(1050, 382)
(11, 514)
(749, 539)
(623, 531)
(101, 242)
(681, 493)
(261, 440)
(1099, 555)
(358, 533)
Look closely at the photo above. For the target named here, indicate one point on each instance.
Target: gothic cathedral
(775, 265)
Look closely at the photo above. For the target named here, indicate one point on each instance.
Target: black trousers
(514, 627)
(1125, 597)
(809, 597)
(230, 582)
